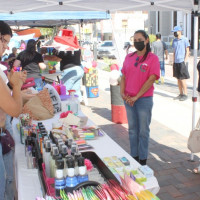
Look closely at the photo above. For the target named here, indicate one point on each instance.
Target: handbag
(7, 142)
(193, 143)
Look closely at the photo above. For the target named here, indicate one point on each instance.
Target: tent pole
(194, 93)
(119, 61)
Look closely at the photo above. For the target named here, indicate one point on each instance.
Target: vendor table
(28, 184)
(52, 76)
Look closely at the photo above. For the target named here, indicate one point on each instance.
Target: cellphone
(124, 160)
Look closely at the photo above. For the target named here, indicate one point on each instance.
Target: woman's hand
(16, 79)
(27, 94)
(131, 100)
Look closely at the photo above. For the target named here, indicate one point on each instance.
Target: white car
(106, 49)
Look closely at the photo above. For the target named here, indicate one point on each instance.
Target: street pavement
(170, 127)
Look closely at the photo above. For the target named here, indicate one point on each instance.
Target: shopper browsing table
(11, 105)
(140, 70)
(31, 61)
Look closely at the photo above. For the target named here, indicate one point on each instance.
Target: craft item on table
(73, 102)
(40, 107)
(125, 161)
(80, 142)
(138, 177)
(146, 170)
(56, 87)
(83, 121)
(25, 119)
(52, 66)
(129, 184)
(56, 125)
(113, 162)
(88, 164)
(55, 98)
(86, 135)
(62, 89)
(70, 120)
(84, 147)
(65, 114)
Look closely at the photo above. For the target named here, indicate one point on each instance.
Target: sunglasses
(136, 63)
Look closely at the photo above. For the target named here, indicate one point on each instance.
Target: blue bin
(92, 92)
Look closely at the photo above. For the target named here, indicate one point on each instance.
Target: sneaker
(183, 97)
(157, 81)
(162, 80)
(178, 97)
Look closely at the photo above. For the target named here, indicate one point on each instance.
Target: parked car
(106, 49)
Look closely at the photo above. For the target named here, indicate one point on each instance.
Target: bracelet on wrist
(8, 84)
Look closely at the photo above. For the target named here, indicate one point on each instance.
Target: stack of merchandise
(110, 190)
(90, 80)
(52, 66)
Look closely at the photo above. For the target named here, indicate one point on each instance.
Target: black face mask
(175, 34)
(139, 45)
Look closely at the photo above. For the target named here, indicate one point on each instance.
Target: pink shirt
(135, 77)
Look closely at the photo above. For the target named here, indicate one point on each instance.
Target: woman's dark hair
(5, 29)
(30, 51)
(148, 48)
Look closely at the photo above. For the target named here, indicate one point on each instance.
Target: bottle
(76, 156)
(52, 164)
(51, 155)
(29, 158)
(64, 154)
(34, 163)
(58, 157)
(47, 157)
(59, 178)
(28, 144)
(43, 147)
(71, 179)
(73, 103)
(83, 176)
(60, 144)
(62, 89)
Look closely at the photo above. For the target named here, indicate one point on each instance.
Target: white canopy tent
(188, 6)
(13, 6)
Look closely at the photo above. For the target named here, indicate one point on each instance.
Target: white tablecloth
(28, 184)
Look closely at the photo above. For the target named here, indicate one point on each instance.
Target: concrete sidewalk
(170, 128)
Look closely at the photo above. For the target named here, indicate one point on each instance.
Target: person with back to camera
(180, 67)
(11, 105)
(139, 72)
(31, 61)
(70, 65)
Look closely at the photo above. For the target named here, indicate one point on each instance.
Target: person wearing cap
(180, 67)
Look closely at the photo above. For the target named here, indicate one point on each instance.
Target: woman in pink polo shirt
(140, 70)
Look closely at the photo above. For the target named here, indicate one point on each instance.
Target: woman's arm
(144, 89)
(12, 105)
(122, 87)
